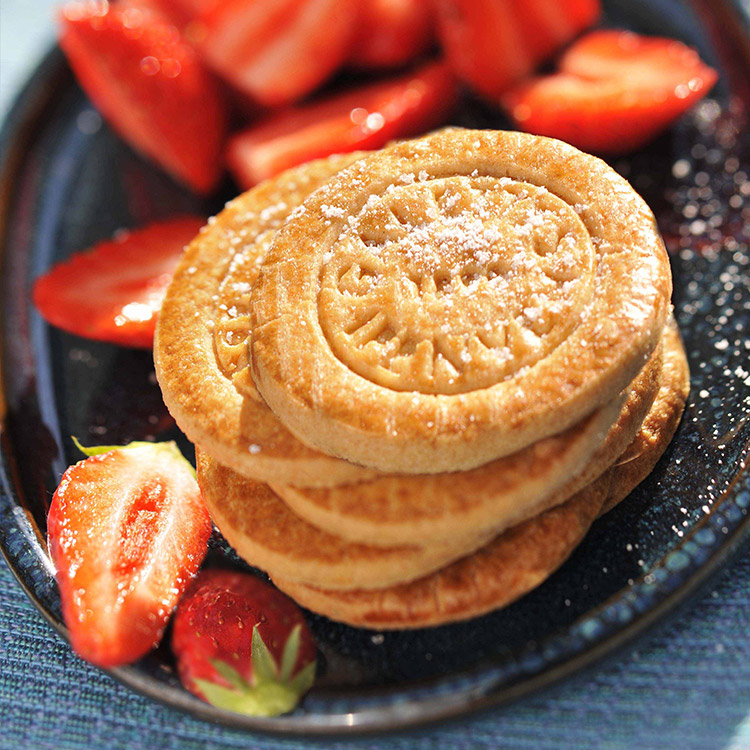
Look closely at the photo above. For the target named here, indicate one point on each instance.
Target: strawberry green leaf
(270, 692)
(97, 450)
(228, 699)
(265, 668)
(266, 699)
(291, 651)
(304, 679)
(231, 675)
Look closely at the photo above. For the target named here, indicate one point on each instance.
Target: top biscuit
(453, 299)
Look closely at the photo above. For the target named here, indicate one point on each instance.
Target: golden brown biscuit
(201, 338)
(658, 429)
(493, 577)
(453, 299)
(270, 536)
(399, 509)
(266, 534)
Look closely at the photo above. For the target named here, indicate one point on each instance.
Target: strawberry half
(492, 43)
(276, 51)
(127, 530)
(364, 118)
(391, 33)
(615, 91)
(242, 645)
(113, 292)
(149, 85)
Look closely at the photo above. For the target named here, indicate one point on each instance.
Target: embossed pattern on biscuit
(249, 240)
(453, 299)
(454, 284)
(232, 325)
(201, 343)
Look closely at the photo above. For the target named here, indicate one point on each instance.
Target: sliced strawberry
(615, 92)
(242, 645)
(482, 43)
(492, 43)
(548, 25)
(152, 8)
(113, 292)
(181, 13)
(391, 33)
(611, 53)
(127, 530)
(150, 86)
(364, 118)
(277, 51)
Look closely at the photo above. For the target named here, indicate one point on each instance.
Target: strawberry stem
(97, 450)
(271, 691)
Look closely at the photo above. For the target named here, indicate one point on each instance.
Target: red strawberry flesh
(615, 91)
(490, 44)
(363, 118)
(277, 52)
(392, 32)
(113, 292)
(149, 85)
(127, 531)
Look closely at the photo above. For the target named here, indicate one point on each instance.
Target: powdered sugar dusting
(451, 284)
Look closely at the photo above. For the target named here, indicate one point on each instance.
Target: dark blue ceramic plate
(67, 181)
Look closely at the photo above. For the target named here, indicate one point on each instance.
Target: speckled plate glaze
(67, 181)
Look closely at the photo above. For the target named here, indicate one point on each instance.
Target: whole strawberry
(242, 645)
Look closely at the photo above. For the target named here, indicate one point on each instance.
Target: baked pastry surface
(268, 535)
(659, 426)
(499, 573)
(201, 346)
(399, 509)
(453, 299)
(446, 359)
(413, 585)
(523, 556)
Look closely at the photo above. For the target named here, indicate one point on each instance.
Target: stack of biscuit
(415, 377)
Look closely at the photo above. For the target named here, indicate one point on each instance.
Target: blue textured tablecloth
(688, 686)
